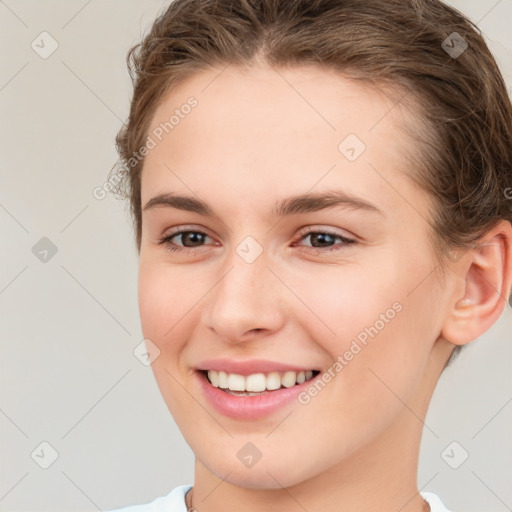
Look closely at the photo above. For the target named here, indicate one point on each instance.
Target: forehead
(261, 99)
(277, 130)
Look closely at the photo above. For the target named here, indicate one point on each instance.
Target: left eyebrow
(303, 203)
(306, 203)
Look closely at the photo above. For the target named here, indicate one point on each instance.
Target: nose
(247, 301)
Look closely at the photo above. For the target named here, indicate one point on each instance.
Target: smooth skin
(257, 136)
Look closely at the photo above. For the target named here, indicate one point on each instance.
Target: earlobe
(487, 274)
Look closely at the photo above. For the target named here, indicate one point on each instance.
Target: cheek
(165, 300)
(389, 368)
(153, 303)
(377, 333)
(166, 310)
(345, 304)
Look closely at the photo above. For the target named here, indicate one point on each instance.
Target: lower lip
(250, 407)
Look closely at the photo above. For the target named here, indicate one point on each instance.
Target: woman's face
(260, 276)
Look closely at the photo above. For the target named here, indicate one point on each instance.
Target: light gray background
(69, 326)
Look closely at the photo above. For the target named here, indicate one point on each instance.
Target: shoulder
(436, 505)
(173, 502)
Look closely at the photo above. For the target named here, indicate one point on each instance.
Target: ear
(487, 279)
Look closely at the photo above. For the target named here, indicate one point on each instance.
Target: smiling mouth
(258, 383)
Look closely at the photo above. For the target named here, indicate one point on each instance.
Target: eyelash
(304, 234)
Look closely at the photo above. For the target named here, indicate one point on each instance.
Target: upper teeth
(257, 381)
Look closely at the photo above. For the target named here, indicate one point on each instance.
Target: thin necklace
(190, 508)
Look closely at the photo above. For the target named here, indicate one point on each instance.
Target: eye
(324, 239)
(321, 240)
(188, 236)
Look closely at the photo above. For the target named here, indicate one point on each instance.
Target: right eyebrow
(185, 203)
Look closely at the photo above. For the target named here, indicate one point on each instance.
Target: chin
(270, 475)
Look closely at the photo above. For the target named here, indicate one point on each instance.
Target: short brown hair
(463, 111)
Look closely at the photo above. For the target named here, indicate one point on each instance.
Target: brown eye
(189, 240)
(322, 241)
(194, 238)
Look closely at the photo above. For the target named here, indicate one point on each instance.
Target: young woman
(321, 192)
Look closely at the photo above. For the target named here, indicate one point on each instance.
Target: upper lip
(250, 366)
